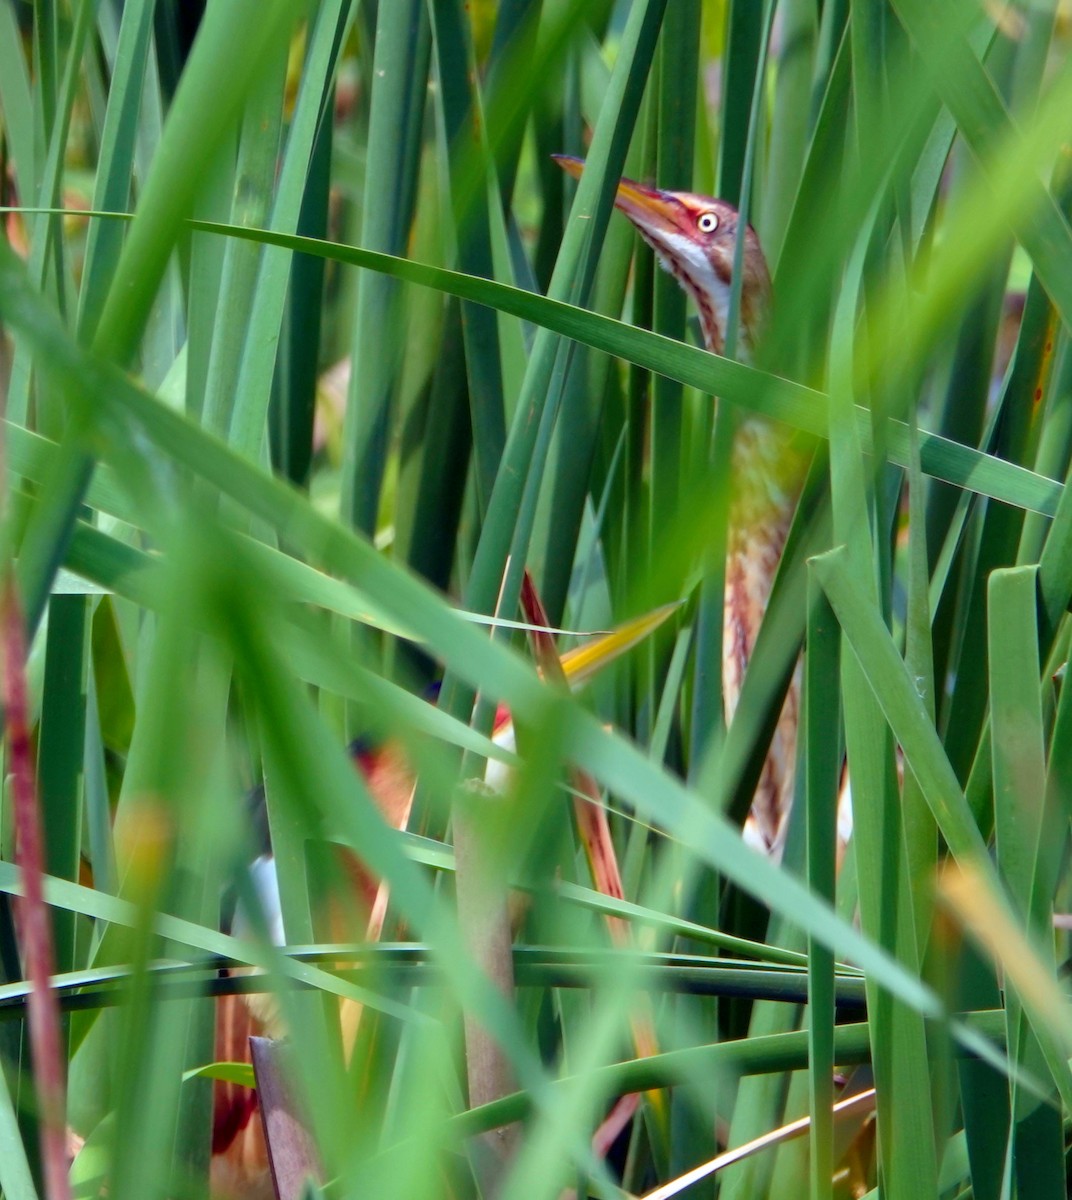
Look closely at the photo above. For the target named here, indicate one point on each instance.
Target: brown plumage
(239, 1164)
(694, 237)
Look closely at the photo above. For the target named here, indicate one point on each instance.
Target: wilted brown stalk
(34, 926)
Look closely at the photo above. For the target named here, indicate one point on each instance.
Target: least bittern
(239, 1164)
(694, 238)
(240, 1161)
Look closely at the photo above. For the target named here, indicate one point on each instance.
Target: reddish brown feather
(239, 1155)
(239, 1165)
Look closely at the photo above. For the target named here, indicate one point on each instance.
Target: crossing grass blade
(484, 663)
(1020, 769)
(774, 396)
(822, 731)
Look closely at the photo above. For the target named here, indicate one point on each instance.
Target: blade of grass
(464, 128)
(790, 120)
(263, 324)
(46, 260)
(255, 169)
(984, 122)
(16, 98)
(905, 1127)
(115, 162)
(677, 71)
(292, 406)
(1015, 433)
(233, 43)
(232, 46)
(772, 396)
(744, 34)
(60, 750)
(920, 833)
(780, 1052)
(400, 67)
(821, 740)
(16, 1177)
(1019, 820)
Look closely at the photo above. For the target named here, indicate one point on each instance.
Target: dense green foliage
(228, 564)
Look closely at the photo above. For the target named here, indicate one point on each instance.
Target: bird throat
(705, 281)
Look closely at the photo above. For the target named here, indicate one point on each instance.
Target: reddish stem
(34, 925)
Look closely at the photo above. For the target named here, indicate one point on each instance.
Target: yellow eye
(707, 222)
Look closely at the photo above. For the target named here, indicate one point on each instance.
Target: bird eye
(707, 222)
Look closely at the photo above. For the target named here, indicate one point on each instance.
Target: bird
(239, 1161)
(694, 238)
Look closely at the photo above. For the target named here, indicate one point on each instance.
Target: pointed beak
(644, 206)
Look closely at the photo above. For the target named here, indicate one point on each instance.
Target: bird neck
(714, 310)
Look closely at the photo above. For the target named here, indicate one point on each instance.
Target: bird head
(694, 237)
